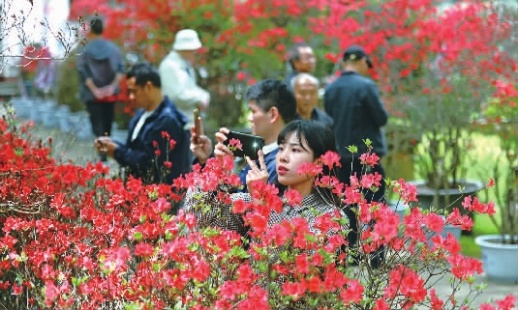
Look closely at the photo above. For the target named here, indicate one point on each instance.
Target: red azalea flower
(143, 249)
(370, 159)
(330, 159)
(309, 169)
(235, 144)
(294, 289)
(172, 144)
(292, 197)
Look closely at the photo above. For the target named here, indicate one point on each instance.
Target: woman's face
(289, 158)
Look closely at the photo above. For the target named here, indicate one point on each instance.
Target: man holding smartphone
(271, 106)
(157, 147)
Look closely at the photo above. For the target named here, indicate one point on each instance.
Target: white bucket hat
(186, 39)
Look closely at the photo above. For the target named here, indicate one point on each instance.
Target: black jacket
(354, 104)
(319, 116)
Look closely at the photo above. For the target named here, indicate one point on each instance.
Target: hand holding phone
(248, 144)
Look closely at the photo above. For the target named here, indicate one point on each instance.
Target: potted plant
(444, 118)
(444, 96)
(500, 251)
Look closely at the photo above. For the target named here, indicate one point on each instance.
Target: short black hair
(294, 52)
(318, 137)
(274, 93)
(144, 72)
(96, 25)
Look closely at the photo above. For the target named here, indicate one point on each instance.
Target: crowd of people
(288, 115)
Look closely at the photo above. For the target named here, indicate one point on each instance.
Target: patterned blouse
(213, 213)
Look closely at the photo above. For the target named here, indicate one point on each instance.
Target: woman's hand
(256, 174)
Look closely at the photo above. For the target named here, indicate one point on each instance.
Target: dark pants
(354, 167)
(102, 115)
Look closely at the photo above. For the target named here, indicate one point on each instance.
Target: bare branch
(22, 25)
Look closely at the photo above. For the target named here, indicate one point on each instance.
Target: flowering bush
(74, 239)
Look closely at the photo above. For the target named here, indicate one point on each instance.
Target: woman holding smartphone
(300, 142)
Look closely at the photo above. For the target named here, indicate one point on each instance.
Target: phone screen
(250, 144)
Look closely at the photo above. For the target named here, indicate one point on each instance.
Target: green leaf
(138, 236)
(353, 149)
(153, 195)
(239, 252)
(132, 306)
(168, 235)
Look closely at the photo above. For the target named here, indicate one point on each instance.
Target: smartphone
(250, 144)
(197, 123)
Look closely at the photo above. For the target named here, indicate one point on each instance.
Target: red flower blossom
(302, 264)
(353, 293)
(235, 144)
(294, 289)
(473, 204)
(310, 169)
(165, 135)
(292, 197)
(464, 267)
(370, 159)
(143, 249)
(172, 144)
(330, 159)
(315, 285)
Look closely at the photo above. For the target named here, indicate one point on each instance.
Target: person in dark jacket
(306, 89)
(157, 147)
(101, 68)
(358, 113)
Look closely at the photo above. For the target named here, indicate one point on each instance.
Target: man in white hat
(178, 76)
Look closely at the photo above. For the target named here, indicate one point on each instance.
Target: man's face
(306, 93)
(189, 55)
(307, 61)
(137, 93)
(260, 120)
(364, 67)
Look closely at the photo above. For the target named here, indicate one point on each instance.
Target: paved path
(67, 146)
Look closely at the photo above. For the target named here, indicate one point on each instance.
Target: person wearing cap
(354, 103)
(178, 76)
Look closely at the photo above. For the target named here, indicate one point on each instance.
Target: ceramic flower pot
(500, 260)
(449, 198)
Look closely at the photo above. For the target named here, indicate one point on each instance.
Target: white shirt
(139, 125)
(269, 148)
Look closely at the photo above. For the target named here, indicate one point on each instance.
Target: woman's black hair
(311, 134)
(317, 137)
